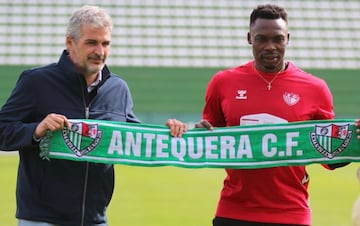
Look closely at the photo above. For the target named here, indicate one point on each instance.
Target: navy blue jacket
(62, 192)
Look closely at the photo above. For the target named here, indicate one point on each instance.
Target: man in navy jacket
(79, 85)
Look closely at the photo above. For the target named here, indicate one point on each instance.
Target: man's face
(269, 38)
(90, 51)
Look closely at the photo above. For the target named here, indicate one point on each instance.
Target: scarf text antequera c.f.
(256, 146)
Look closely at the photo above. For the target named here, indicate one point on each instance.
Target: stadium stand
(183, 33)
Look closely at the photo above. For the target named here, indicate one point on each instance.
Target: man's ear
(68, 41)
(288, 38)
(249, 38)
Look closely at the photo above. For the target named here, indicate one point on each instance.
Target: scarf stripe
(255, 146)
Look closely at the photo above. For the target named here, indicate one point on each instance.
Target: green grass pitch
(171, 196)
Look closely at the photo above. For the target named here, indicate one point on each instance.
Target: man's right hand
(51, 122)
(357, 125)
(204, 124)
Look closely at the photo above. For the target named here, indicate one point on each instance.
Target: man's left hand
(177, 128)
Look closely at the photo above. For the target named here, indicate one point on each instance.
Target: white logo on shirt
(260, 118)
(241, 94)
(291, 98)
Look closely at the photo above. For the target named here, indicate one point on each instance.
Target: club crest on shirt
(241, 94)
(81, 138)
(330, 140)
(291, 98)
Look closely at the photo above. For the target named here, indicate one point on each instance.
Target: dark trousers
(220, 221)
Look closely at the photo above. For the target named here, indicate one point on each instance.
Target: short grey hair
(93, 16)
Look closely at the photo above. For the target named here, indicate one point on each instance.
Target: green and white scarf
(256, 146)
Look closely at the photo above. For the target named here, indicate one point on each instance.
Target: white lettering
(199, 148)
(244, 148)
(116, 143)
(133, 144)
(265, 145)
(181, 152)
(227, 146)
(209, 147)
(160, 145)
(149, 137)
(290, 142)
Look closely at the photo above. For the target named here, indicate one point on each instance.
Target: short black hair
(268, 11)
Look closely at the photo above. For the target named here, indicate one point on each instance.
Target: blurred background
(167, 50)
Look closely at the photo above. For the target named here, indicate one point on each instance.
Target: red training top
(240, 96)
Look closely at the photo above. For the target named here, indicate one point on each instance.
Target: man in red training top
(267, 89)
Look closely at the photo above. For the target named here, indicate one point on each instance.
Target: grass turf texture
(170, 196)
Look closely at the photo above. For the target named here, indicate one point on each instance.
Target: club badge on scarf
(251, 146)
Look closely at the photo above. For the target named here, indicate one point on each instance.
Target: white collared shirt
(92, 86)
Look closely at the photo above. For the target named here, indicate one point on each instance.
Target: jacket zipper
(87, 115)
(84, 195)
(83, 206)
